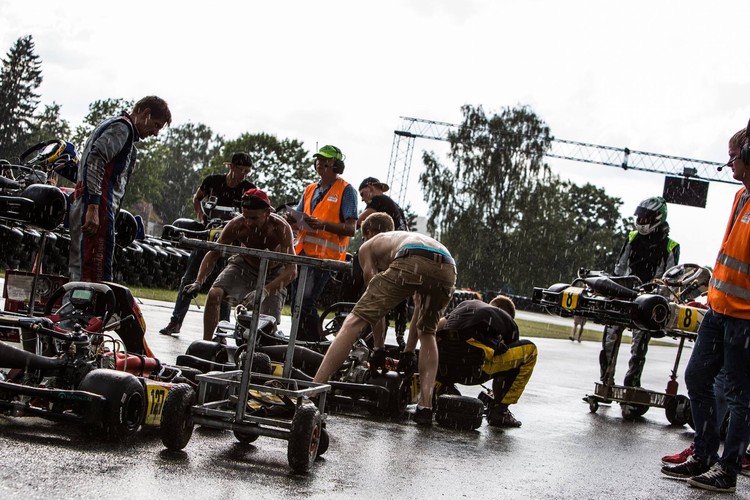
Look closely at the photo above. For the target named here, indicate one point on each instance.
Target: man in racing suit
(647, 253)
(227, 189)
(478, 342)
(106, 164)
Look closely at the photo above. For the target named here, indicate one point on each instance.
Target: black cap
(372, 181)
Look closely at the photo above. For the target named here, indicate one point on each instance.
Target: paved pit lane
(561, 451)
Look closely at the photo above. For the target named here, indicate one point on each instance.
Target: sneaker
(502, 417)
(571, 338)
(678, 458)
(687, 469)
(423, 416)
(172, 328)
(717, 478)
(745, 470)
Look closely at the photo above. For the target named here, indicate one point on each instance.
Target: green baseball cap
(330, 152)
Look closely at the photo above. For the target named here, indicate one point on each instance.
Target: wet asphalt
(561, 451)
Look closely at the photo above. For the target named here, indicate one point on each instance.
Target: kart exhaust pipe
(12, 357)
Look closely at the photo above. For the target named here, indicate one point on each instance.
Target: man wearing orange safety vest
(723, 342)
(330, 215)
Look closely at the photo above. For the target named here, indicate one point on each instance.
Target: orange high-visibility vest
(324, 244)
(729, 288)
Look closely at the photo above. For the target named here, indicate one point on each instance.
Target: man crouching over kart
(397, 265)
(259, 228)
(478, 342)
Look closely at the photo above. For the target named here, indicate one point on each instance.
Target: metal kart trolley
(230, 400)
(606, 300)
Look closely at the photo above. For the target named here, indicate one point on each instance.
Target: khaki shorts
(238, 279)
(434, 282)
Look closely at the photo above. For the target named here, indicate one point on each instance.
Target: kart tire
(208, 350)
(304, 438)
(462, 413)
(245, 437)
(176, 417)
(397, 398)
(126, 401)
(632, 411)
(678, 411)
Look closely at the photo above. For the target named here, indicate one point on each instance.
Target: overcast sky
(668, 77)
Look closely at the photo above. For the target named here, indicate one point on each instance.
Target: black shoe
(500, 416)
(717, 478)
(687, 469)
(173, 328)
(423, 416)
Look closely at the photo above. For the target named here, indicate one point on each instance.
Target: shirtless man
(397, 264)
(259, 228)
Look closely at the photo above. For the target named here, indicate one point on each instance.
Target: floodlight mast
(416, 128)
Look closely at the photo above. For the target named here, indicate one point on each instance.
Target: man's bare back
(377, 253)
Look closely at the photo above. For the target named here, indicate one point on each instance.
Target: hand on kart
(377, 363)
(407, 363)
(192, 289)
(249, 300)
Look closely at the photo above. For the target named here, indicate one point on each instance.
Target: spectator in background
(371, 190)
(578, 323)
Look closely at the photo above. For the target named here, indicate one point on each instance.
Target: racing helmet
(650, 214)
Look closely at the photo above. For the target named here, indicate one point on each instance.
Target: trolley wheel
(593, 404)
(304, 438)
(245, 437)
(678, 411)
(632, 411)
(462, 413)
(176, 418)
(324, 441)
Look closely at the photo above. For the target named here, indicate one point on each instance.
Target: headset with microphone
(744, 152)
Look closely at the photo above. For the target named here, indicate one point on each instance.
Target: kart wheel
(126, 401)
(462, 413)
(324, 441)
(245, 437)
(678, 411)
(304, 438)
(395, 403)
(208, 350)
(176, 419)
(631, 411)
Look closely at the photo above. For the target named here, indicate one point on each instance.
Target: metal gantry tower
(625, 158)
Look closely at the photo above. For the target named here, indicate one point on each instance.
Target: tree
(49, 125)
(20, 77)
(507, 220)
(190, 148)
(282, 168)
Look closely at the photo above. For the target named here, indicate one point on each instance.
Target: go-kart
(71, 369)
(353, 385)
(664, 307)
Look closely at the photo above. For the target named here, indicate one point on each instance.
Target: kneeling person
(259, 228)
(478, 342)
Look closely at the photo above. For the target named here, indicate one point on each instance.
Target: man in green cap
(329, 209)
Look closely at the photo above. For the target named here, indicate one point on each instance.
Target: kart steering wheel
(687, 274)
(106, 310)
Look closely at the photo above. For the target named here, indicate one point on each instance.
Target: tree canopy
(506, 219)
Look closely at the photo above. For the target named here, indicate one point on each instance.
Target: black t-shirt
(216, 185)
(487, 324)
(383, 203)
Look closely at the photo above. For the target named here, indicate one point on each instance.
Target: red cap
(254, 198)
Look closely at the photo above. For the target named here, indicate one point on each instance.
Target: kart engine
(357, 369)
